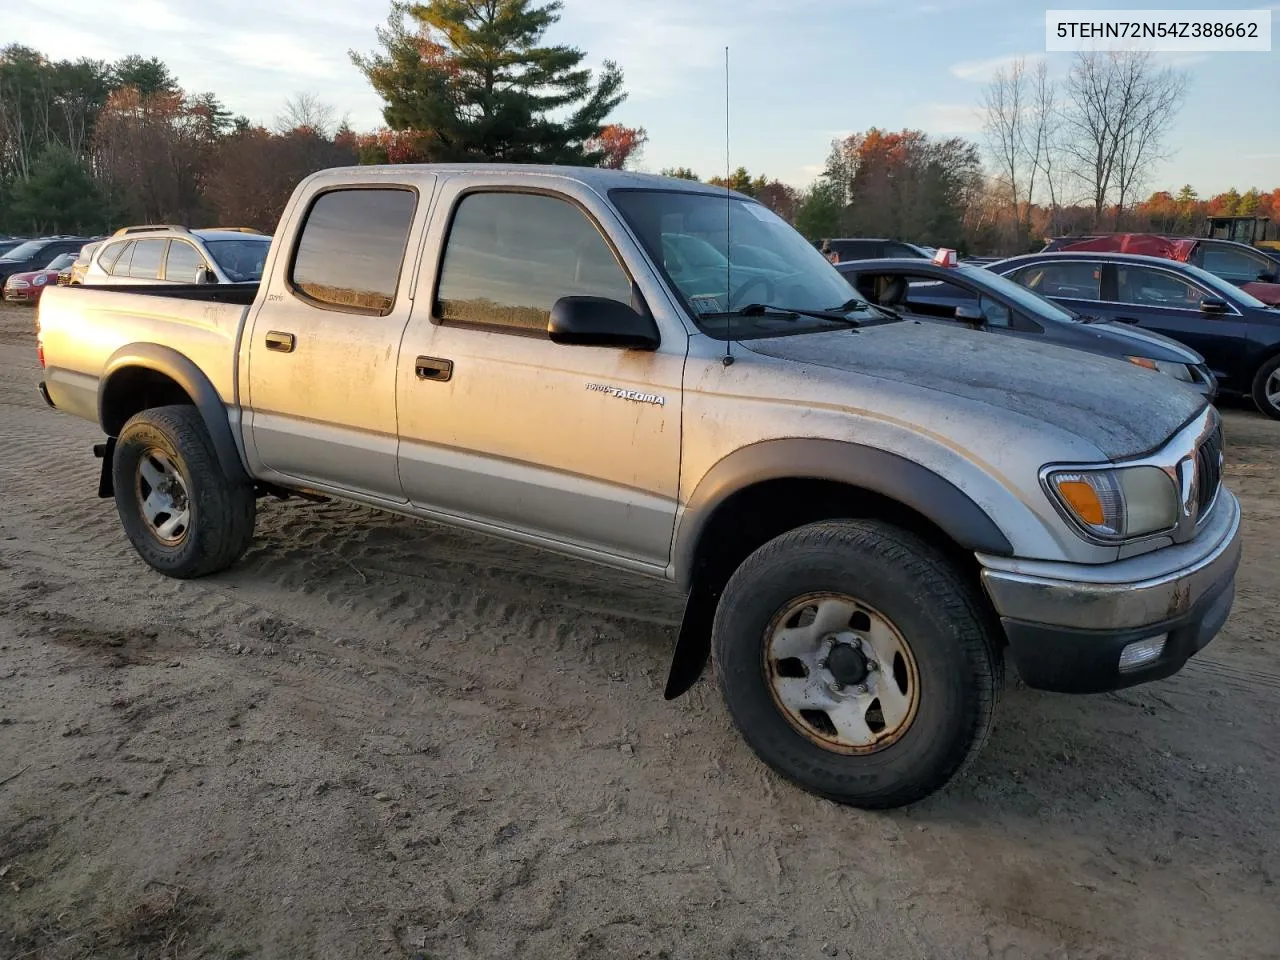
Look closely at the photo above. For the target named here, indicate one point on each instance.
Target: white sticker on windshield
(706, 303)
(760, 212)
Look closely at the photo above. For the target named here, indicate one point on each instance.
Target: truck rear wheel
(182, 514)
(857, 663)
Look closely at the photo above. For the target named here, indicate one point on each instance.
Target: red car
(27, 287)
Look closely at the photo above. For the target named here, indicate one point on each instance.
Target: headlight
(1118, 504)
(41, 280)
(1179, 371)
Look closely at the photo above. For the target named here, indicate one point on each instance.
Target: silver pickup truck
(867, 514)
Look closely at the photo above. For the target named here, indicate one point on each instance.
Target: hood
(1121, 409)
(1268, 293)
(1144, 343)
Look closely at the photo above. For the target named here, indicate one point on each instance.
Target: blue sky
(802, 71)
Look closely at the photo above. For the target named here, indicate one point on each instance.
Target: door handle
(280, 341)
(433, 368)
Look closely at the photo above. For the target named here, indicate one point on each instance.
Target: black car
(1237, 333)
(8, 243)
(863, 248)
(1236, 263)
(989, 303)
(36, 254)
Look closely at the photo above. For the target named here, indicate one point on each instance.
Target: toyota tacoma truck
(868, 515)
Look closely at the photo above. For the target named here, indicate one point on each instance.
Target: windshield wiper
(838, 315)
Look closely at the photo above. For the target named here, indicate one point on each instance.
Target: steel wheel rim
(163, 497)
(800, 670)
(1272, 389)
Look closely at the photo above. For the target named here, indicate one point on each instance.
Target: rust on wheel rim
(841, 673)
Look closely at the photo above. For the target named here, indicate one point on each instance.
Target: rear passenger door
(324, 344)
(501, 427)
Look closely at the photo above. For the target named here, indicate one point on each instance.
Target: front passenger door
(579, 445)
(1168, 303)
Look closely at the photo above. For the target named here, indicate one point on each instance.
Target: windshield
(1028, 300)
(687, 234)
(59, 263)
(241, 260)
(25, 251)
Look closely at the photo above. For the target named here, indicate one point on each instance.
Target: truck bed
(84, 329)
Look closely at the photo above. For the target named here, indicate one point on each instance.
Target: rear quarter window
(351, 249)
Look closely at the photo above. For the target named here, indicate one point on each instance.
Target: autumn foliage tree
(618, 144)
(474, 81)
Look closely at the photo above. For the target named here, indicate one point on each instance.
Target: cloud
(949, 118)
(982, 71)
(279, 52)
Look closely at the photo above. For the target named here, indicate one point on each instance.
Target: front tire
(179, 510)
(1266, 388)
(857, 662)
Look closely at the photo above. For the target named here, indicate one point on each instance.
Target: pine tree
(471, 79)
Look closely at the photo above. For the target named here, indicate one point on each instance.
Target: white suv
(168, 254)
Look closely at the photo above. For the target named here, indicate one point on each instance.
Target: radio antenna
(728, 216)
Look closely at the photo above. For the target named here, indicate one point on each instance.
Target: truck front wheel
(178, 508)
(857, 662)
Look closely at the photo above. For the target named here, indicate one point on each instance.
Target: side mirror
(970, 313)
(600, 322)
(1213, 305)
(205, 275)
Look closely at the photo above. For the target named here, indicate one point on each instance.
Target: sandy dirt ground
(379, 738)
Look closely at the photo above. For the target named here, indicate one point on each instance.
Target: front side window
(511, 256)
(1148, 287)
(1071, 281)
(184, 262)
(688, 233)
(1238, 266)
(351, 249)
(147, 255)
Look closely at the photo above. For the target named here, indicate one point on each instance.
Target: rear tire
(909, 699)
(1266, 388)
(182, 514)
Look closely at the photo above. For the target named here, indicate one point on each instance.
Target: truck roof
(597, 178)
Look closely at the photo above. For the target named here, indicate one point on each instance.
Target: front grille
(1208, 471)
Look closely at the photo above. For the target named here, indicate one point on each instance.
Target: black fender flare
(879, 471)
(184, 372)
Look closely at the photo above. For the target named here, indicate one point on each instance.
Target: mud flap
(693, 645)
(106, 453)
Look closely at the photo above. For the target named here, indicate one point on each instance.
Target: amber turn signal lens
(1083, 499)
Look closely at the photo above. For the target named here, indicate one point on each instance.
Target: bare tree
(306, 111)
(1045, 137)
(1119, 107)
(1004, 105)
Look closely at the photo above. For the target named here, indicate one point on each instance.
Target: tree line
(87, 145)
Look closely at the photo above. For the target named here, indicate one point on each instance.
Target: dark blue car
(993, 305)
(1238, 335)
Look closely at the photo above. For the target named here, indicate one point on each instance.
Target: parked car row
(131, 256)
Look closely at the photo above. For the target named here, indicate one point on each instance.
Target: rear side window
(352, 247)
(1072, 281)
(511, 256)
(116, 262)
(1237, 266)
(147, 255)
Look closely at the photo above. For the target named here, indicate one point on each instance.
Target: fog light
(1139, 654)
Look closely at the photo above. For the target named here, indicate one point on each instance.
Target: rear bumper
(1068, 624)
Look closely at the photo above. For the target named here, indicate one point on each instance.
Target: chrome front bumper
(1067, 623)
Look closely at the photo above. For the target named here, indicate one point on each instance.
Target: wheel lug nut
(860, 688)
(822, 664)
(872, 666)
